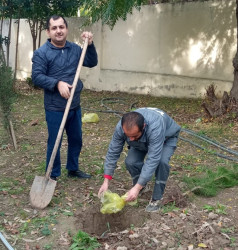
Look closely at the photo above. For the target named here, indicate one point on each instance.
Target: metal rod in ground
(5, 242)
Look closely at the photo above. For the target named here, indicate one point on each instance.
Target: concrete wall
(163, 50)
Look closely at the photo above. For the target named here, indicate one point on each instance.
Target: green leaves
(82, 241)
(7, 93)
(45, 230)
(110, 11)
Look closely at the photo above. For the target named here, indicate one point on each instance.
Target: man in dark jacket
(152, 137)
(54, 67)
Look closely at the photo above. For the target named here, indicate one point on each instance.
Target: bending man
(151, 136)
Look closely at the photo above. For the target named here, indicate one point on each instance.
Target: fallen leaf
(14, 231)
(219, 223)
(106, 246)
(28, 240)
(165, 227)
(35, 122)
(68, 198)
(202, 245)
(190, 247)
(64, 239)
(27, 247)
(42, 237)
(132, 236)
(171, 214)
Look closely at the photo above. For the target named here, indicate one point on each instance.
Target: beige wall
(163, 50)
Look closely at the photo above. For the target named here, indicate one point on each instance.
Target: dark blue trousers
(73, 128)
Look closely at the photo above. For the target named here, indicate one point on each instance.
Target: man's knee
(167, 154)
(163, 169)
(129, 163)
(164, 162)
(133, 165)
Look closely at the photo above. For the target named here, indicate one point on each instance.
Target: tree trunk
(1, 26)
(9, 40)
(215, 107)
(17, 42)
(2, 55)
(40, 30)
(234, 89)
(34, 30)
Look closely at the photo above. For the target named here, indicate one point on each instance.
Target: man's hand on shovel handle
(64, 89)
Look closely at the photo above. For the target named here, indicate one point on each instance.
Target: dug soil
(186, 221)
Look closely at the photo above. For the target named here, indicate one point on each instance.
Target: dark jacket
(52, 64)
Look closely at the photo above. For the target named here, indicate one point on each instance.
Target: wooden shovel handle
(61, 129)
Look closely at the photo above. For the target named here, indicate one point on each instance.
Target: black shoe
(78, 174)
(53, 178)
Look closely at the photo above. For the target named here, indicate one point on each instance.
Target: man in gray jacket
(151, 136)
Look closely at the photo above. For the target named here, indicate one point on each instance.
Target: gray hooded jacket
(159, 128)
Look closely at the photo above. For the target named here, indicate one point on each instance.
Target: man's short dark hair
(55, 17)
(131, 119)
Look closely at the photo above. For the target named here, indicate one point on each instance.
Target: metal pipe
(5, 242)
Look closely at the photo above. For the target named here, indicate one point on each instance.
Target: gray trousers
(135, 161)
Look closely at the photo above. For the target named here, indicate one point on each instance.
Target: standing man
(152, 137)
(54, 67)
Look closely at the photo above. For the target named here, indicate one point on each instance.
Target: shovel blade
(42, 191)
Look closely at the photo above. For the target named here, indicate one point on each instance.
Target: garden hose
(190, 132)
(211, 152)
(213, 142)
(109, 110)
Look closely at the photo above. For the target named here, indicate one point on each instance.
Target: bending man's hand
(132, 194)
(64, 89)
(103, 188)
(89, 35)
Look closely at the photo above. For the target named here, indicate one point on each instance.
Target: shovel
(43, 188)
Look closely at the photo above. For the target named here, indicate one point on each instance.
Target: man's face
(57, 32)
(133, 134)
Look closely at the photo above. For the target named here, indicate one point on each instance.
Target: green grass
(218, 209)
(228, 230)
(211, 182)
(43, 224)
(26, 147)
(169, 208)
(48, 246)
